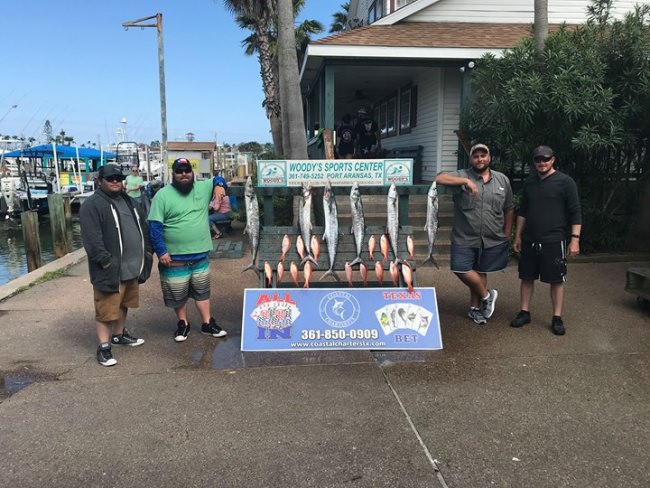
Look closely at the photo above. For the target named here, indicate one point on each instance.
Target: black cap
(182, 163)
(111, 169)
(543, 152)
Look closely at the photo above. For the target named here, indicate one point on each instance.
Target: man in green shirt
(180, 235)
(133, 183)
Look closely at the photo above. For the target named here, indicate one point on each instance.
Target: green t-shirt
(186, 229)
(133, 181)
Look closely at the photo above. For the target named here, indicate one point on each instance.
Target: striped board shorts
(183, 280)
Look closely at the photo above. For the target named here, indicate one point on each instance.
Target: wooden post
(67, 207)
(328, 143)
(29, 221)
(57, 223)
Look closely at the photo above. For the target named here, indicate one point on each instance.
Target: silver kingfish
(252, 222)
(331, 234)
(392, 219)
(304, 220)
(358, 222)
(431, 225)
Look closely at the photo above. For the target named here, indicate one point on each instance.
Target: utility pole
(161, 73)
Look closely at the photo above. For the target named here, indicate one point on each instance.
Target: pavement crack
(425, 449)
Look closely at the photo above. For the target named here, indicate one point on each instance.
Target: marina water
(13, 259)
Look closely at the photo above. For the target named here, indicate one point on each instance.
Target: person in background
(180, 235)
(483, 215)
(133, 184)
(219, 206)
(368, 135)
(346, 135)
(116, 240)
(549, 218)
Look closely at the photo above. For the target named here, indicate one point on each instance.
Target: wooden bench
(271, 250)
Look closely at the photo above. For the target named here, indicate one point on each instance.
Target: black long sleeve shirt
(550, 206)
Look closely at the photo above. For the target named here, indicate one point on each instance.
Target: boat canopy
(46, 151)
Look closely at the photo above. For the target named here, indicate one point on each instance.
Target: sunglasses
(180, 171)
(543, 159)
(114, 179)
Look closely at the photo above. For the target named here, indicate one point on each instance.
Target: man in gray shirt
(483, 215)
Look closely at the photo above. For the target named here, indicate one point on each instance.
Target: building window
(391, 116)
(402, 3)
(407, 109)
(205, 155)
(376, 11)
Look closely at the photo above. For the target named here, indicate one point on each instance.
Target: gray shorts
(479, 259)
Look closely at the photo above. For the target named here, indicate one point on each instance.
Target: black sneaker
(557, 326)
(126, 339)
(211, 328)
(522, 318)
(104, 355)
(182, 331)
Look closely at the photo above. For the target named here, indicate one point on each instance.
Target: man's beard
(183, 187)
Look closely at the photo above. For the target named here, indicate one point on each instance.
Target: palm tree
(340, 19)
(257, 15)
(266, 42)
(540, 27)
(293, 124)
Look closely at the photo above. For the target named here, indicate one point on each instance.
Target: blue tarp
(45, 150)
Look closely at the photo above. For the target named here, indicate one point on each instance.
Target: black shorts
(544, 261)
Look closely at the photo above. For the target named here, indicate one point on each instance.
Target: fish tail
(432, 260)
(357, 260)
(330, 272)
(308, 257)
(253, 267)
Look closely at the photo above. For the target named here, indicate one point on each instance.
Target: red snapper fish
(268, 272)
(379, 271)
(348, 273)
(364, 273)
(407, 274)
(315, 246)
(394, 273)
(300, 247)
(307, 270)
(384, 245)
(293, 269)
(280, 270)
(372, 242)
(410, 246)
(286, 245)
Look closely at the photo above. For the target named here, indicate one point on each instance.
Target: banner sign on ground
(297, 319)
(340, 172)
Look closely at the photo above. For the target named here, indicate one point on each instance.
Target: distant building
(200, 154)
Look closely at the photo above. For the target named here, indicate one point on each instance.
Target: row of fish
(395, 270)
(308, 245)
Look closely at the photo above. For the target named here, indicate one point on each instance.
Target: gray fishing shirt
(479, 220)
(131, 240)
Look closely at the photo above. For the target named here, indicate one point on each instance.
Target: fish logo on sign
(339, 309)
(272, 173)
(398, 172)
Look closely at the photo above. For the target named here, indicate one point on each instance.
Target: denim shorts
(479, 259)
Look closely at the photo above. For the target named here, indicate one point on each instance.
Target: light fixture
(471, 64)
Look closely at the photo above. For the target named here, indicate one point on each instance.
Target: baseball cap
(543, 152)
(481, 147)
(182, 163)
(111, 169)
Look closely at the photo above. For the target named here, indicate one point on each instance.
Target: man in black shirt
(346, 135)
(368, 135)
(549, 216)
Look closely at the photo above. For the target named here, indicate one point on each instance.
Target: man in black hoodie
(116, 240)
